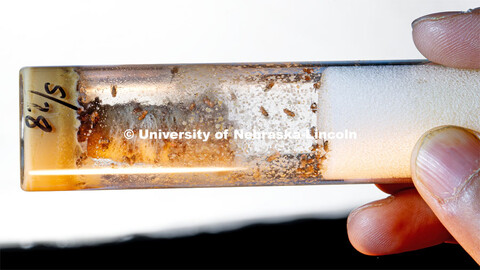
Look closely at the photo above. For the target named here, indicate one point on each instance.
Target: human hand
(443, 205)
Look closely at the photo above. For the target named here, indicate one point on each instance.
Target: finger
(394, 188)
(445, 170)
(449, 38)
(399, 223)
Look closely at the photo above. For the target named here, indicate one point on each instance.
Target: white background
(38, 33)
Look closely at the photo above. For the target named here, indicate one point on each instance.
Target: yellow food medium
(43, 149)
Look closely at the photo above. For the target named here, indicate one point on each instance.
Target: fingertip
(446, 173)
(449, 38)
(393, 225)
(363, 229)
(442, 161)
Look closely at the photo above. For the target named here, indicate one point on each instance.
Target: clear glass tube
(156, 126)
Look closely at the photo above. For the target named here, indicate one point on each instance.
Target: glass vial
(158, 126)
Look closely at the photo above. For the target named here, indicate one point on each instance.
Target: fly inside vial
(159, 126)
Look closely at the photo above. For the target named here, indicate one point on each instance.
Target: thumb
(445, 170)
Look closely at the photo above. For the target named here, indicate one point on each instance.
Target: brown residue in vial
(129, 160)
(273, 157)
(309, 165)
(94, 117)
(208, 102)
(316, 85)
(80, 159)
(114, 90)
(192, 106)
(309, 170)
(162, 152)
(308, 78)
(269, 85)
(314, 107)
(308, 70)
(142, 116)
(131, 149)
(104, 143)
(82, 97)
(311, 160)
(236, 176)
(303, 161)
(89, 115)
(289, 113)
(263, 111)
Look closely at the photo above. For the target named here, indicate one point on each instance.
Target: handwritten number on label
(40, 108)
(40, 122)
(55, 88)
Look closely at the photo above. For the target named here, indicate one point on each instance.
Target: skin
(413, 217)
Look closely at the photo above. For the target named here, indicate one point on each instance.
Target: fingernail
(443, 15)
(474, 10)
(445, 160)
(371, 205)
